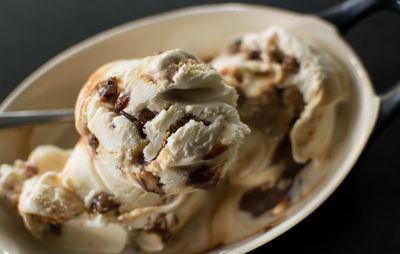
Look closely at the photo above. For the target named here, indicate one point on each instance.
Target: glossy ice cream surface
(159, 134)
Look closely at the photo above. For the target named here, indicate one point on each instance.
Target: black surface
(363, 215)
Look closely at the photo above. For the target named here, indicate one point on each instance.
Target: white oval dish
(202, 30)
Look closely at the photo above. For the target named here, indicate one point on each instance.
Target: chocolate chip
(204, 177)
(121, 103)
(216, 150)
(103, 202)
(276, 54)
(55, 229)
(108, 91)
(254, 54)
(234, 48)
(30, 170)
(260, 199)
(93, 143)
(159, 227)
(291, 64)
(150, 182)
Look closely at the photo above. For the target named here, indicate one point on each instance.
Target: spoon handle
(18, 118)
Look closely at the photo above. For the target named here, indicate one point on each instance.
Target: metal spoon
(19, 118)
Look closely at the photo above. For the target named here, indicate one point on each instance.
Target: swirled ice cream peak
(168, 121)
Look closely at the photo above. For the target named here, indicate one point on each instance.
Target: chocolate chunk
(254, 54)
(216, 150)
(121, 103)
(234, 48)
(292, 98)
(205, 122)
(103, 202)
(30, 170)
(276, 54)
(55, 229)
(128, 116)
(143, 117)
(260, 199)
(204, 177)
(242, 97)
(291, 64)
(93, 143)
(139, 159)
(160, 227)
(150, 182)
(108, 91)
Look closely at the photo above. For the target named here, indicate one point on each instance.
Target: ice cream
(288, 91)
(168, 122)
(159, 134)
(154, 133)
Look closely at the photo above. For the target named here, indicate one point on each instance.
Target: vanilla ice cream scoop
(288, 92)
(154, 133)
(168, 122)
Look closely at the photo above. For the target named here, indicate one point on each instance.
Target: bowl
(203, 30)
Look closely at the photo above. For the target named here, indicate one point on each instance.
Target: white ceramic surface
(202, 30)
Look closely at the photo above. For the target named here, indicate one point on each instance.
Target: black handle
(389, 108)
(343, 16)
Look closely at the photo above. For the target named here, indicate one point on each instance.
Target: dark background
(362, 216)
